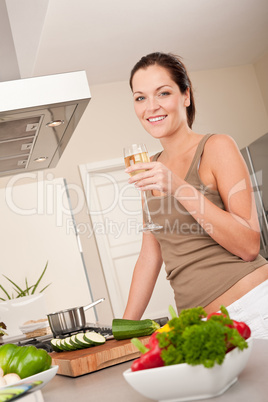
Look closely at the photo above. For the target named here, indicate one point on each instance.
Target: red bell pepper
(153, 341)
(241, 327)
(151, 354)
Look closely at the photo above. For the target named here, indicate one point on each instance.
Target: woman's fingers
(139, 171)
(150, 176)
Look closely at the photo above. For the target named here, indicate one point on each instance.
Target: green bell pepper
(6, 353)
(24, 360)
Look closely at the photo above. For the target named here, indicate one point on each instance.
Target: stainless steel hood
(37, 119)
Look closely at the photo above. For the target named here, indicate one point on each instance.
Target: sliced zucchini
(79, 338)
(73, 342)
(60, 344)
(78, 341)
(54, 345)
(94, 338)
(63, 345)
(68, 344)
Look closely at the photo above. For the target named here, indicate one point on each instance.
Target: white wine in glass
(137, 153)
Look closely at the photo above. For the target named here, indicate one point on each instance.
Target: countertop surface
(109, 384)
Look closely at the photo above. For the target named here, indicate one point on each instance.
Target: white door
(115, 210)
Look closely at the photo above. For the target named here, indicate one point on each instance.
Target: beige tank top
(198, 268)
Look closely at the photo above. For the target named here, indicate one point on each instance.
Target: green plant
(2, 327)
(29, 290)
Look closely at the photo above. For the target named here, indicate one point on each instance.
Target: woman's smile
(156, 119)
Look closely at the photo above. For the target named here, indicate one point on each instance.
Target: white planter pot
(16, 312)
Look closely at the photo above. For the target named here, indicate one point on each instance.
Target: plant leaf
(41, 276)
(9, 298)
(23, 292)
(16, 290)
(27, 287)
(45, 287)
(20, 294)
(13, 283)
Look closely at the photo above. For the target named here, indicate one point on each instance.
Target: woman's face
(158, 102)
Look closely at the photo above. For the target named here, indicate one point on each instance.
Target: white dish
(16, 312)
(182, 382)
(33, 327)
(44, 376)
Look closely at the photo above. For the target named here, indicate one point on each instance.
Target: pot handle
(93, 304)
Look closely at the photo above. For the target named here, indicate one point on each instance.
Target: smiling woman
(177, 80)
(159, 105)
(197, 180)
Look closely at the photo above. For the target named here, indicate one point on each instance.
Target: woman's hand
(155, 176)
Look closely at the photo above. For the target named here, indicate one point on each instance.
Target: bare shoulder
(221, 142)
(221, 149)
(222, 157)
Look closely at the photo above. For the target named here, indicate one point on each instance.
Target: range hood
(37, 119)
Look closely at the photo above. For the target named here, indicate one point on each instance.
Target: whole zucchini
(125, 329)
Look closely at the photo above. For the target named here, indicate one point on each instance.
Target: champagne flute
(137, 153)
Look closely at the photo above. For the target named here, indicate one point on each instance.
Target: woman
(200, 192)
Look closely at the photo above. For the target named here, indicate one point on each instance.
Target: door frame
(86, 170)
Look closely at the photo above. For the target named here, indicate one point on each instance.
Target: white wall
(227, 100)
(38, 230)
(230, 101)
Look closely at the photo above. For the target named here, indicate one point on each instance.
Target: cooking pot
(70, 320)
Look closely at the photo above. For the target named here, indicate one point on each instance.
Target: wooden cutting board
(84, 361)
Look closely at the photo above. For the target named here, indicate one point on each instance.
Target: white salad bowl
(182, 382)
(44, 377)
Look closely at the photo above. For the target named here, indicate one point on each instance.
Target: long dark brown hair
(178, 74)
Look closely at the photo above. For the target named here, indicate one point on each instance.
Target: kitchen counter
(109, 384)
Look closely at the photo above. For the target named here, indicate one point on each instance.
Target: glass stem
(146, 208)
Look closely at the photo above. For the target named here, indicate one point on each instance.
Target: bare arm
(144, 277)
(236, 228)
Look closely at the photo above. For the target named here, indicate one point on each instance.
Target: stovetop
(43, 342)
